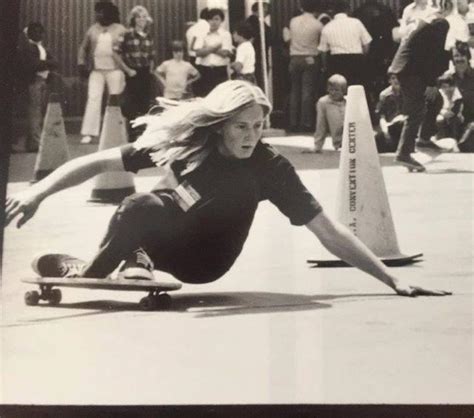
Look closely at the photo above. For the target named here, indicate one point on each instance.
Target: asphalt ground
(272, 330)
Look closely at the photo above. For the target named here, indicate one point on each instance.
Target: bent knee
(142, 204)
(198, 276)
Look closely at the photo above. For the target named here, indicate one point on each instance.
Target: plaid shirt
(136, 50)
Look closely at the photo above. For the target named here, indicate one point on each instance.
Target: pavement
(272, 330)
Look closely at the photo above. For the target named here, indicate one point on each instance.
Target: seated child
(330, 114)
(244, 64)
(176, 75)
(450, 118)
(391, 119)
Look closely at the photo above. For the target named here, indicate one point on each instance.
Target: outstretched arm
(72, 173)
(343, 244)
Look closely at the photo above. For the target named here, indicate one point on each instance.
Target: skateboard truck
(53, 296)
(155, 301)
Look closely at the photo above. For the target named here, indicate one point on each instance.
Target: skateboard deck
(156, 299)
(390, 262)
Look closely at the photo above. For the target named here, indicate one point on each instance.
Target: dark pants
(413, 94)
(197, 246)
(421, 115)
(211, 77)
(429, 126)
(137, 97)
(303, 71)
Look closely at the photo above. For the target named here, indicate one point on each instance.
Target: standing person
(198, 30)
(177, 75)
(419, 61)
(344, 45)
(244, 64)
(35, 63)
(254, 21)
(330, 111)
(379, 21)
(412, 14)
(213, 52)
(305, 31)
(196, 220)
(98, 60)
(136, 59)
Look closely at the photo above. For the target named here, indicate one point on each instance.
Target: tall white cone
(53, 150)
(362, 202)
(112, 187)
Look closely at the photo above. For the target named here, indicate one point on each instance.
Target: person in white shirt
(344, 45)
(412, 14)
(198, 30)
(244, 64)
(303, 69)
(458, 26)
(34, 66)
(213, 53)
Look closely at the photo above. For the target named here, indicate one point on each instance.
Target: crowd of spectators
(328, 47)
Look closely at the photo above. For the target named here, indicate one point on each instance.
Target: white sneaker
(86, 139)
(138, 267)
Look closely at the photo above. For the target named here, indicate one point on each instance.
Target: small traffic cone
(53, 150)
(362, 201)
(112, 187)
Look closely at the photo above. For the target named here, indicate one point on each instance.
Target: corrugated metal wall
(66, 22)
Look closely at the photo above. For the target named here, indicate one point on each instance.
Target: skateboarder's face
(241, 133)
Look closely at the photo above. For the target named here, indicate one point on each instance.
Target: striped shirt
(344, 35)
(305, 31)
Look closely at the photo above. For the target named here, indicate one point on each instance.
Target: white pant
(115, 81)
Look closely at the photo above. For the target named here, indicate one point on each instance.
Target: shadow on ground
(205, 305)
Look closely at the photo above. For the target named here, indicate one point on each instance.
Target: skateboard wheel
(147, 303)
(163, 301)
(55, 297)
(32, 298)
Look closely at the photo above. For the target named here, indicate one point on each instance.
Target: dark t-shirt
(266, 175)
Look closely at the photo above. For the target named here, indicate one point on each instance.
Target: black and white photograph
(237, 203)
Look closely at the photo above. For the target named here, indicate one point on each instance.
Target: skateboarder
(195, 221)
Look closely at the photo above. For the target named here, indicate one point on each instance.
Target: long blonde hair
(171, 133)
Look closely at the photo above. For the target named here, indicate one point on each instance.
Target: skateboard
(157, 298)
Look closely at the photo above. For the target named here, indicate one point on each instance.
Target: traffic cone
(362, 201)
(112, 187)
(53, 150)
